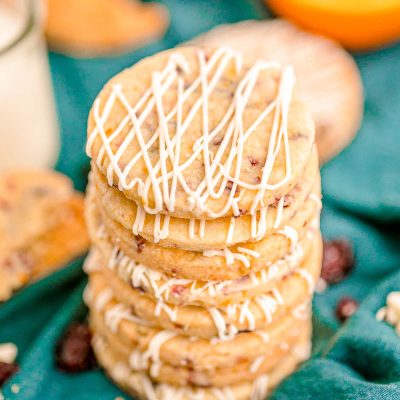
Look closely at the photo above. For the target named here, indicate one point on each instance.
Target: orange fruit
(357, 24)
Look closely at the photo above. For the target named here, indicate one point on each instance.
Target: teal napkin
(357, 360)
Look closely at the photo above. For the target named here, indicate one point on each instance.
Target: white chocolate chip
(391, 312)
(8, 352)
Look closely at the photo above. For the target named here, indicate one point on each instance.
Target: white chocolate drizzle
(256, 364)
(161, 181)
(308, 278)
(140, 360)
(260, 388)
(163, 287)
(114, 315)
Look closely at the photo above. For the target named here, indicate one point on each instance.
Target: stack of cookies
(203, 210)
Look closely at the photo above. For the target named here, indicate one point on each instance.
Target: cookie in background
(41, 226)
(100, 27)
(328, 80)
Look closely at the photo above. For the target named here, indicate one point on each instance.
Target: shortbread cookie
(196, 133)
(100, 27)
(199, 235)
(29, 205)
(328, 78)
(41, 227)
(198, 353)
(139, 384)
(179, 291)
(153, 361)
(253, 313)
(227, 263)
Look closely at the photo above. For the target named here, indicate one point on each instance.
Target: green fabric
(359, 360)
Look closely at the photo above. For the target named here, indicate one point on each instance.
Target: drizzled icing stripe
(140, 360)
(308, 278)
(161, 182)
(260, 388)
(256, 364)
(119, 312)
(231, 256)
(224, 332)
(164, 391)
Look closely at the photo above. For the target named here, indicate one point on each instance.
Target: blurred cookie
(41, 227)
(327, 78)
(98, 27)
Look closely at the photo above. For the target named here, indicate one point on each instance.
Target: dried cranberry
(229, 186)
(178, 290)
(140, 242)
(74, 352)
(253, 161)
(337, 262)
(346, 308)
(7, 370)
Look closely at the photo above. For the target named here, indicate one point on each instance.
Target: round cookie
(327, 77)
(198, 353)
(211, 374)
(151, 132)
(187, 234)
(29, 204)
(229, 263)
(254, 313)
(41, 227)
(194, 292)
(140, 386)
(101, 27)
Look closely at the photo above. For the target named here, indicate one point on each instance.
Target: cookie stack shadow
(188, 306)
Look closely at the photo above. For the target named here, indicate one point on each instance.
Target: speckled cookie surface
(289, 293)
(124, 211)
(139, 385)
(328, 78)
(266, 126)
(207, 266)
(195, 292)
(41, 227)
(28, 204)
(212, 373)
(52, 249)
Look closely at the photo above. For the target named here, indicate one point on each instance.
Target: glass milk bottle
(29, 135)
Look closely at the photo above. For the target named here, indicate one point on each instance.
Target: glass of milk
(29, 135)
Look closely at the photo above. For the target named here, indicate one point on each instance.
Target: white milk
(29, 134)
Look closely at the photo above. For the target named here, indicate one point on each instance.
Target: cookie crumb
(15, 388)
(346, 307)
(391, 312)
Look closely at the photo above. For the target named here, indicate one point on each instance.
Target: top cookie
(196, 133)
